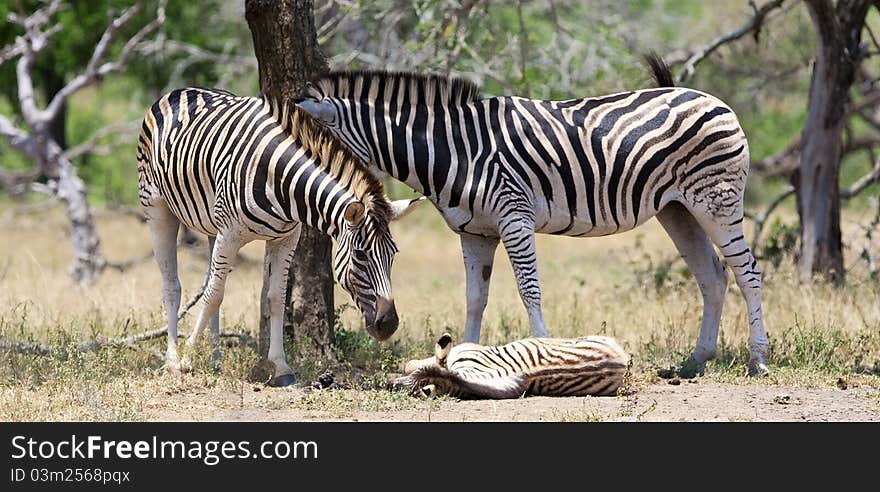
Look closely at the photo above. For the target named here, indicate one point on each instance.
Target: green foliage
(781, 241)
(122, 97)
(83, 23)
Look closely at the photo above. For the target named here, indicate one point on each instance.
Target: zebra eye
(360, 255)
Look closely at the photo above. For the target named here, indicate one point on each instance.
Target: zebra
(505, 168)
(239, 169)
(594, 365)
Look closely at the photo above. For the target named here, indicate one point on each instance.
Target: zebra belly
(563, 224)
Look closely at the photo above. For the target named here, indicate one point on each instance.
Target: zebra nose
(386, 319)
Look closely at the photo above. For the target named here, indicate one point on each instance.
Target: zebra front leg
(225, 250)
(518, 235)
(479, 255)
(280, 253)
(214, 324)
(163, 229)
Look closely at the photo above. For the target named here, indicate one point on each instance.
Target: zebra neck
(418, 144)
(321, 203)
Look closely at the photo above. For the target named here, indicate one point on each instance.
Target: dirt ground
(690, 400)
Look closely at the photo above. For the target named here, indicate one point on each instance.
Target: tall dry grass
(631, 286)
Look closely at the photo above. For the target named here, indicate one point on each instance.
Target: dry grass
(627, 286)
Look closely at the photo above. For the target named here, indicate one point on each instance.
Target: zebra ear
(320, 110)
(354, 213)
(401, 208)
(442, 348)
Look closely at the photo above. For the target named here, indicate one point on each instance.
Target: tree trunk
(70, 189)
(817, 179)
(286, 46)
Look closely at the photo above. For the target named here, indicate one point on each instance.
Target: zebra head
(362, 263)
(330, 110)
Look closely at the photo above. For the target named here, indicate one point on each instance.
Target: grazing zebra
(508, 167)
(240, 169)
(592, 365)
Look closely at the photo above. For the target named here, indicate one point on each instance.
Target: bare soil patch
(688, 401)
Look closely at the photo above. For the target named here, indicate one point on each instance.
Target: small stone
(841, 383)
(326, 379)
(257, 389)
(782, 399)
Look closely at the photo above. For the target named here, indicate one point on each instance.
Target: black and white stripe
(240, 169)
(503, 168)
(593, 365)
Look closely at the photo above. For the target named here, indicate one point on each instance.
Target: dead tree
(817, 179)
(812, 160)
(286, 46)
(36, 135)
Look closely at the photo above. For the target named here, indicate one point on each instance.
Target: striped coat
(504, 168)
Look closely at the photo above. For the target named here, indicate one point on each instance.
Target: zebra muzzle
(386, 320)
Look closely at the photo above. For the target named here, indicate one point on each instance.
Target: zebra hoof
(428, 391)
(758, 370)
(691, 368)
(284, 380)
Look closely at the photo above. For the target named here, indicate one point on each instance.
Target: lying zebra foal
(593, 365)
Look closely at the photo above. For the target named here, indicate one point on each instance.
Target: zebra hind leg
(518, 235)
(727, 234)
(222, 258)
(163, 229)
(697, 251)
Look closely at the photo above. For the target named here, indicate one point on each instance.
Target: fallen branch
(130, 341)
(30, 208)
(125, 265)
(30, 348)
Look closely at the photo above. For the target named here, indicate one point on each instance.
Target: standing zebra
(508, 167)
(240, 169)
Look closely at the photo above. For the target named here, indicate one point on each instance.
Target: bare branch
(28, 45)
(761, 220)
(10, 52)
(17, 137)
(123, 131)
(862, 183)
(17, 182)
(753, 25)
(96, 70)
(240, 63)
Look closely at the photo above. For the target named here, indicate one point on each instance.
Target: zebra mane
(453, 90)
(333, 156)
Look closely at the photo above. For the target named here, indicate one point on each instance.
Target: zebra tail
(659, 70)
